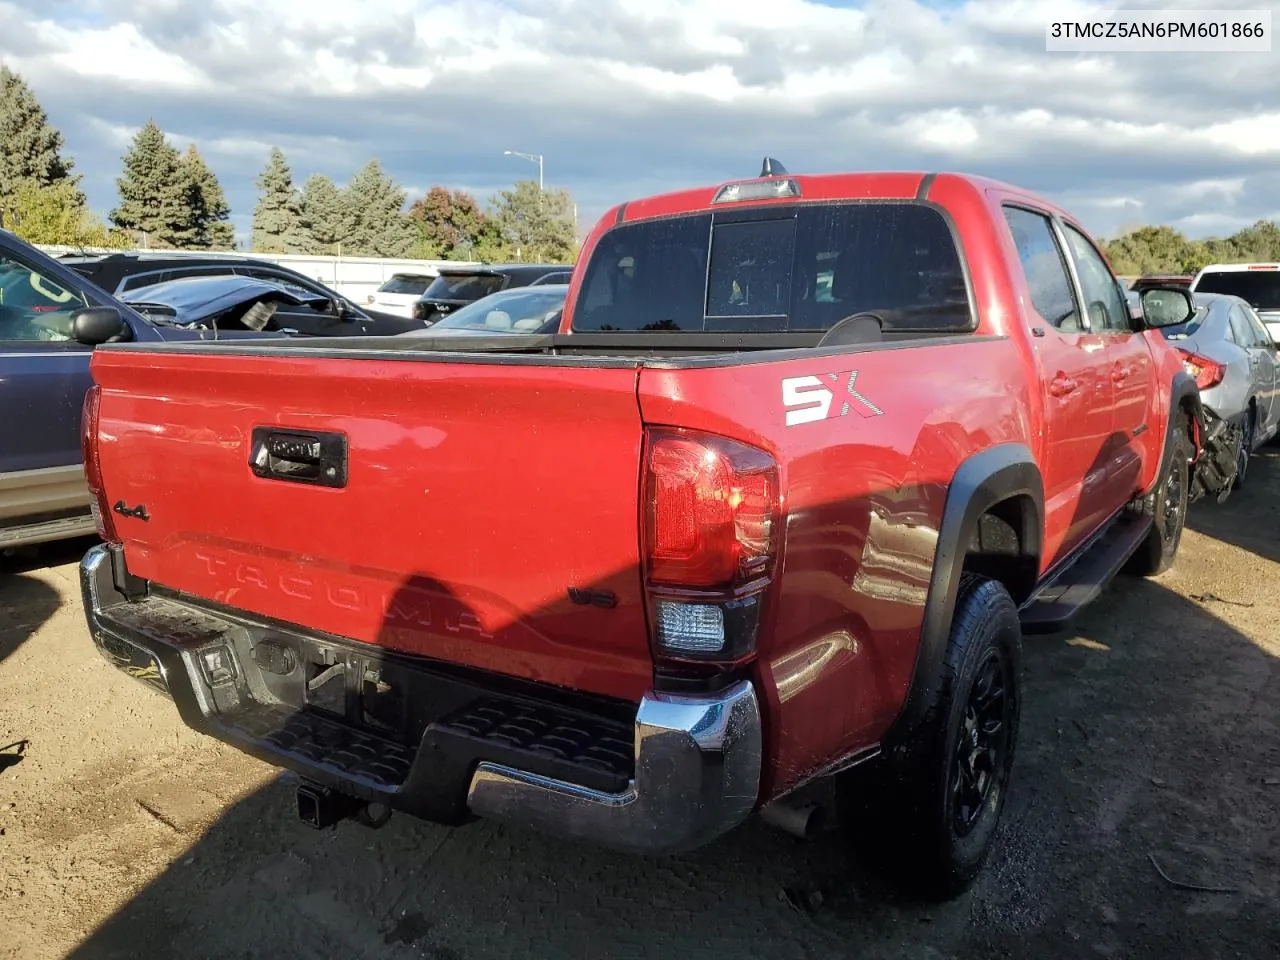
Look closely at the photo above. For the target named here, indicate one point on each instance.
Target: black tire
(924, 814)
(1247, 440)
(1166, 505)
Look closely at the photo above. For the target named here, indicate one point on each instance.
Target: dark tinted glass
(406, 284)
(1044, 268)
(1260, 288)
(798, 268)
(463, 287)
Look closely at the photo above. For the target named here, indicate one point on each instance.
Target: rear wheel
(1247, 440)
(924, 815)
(1166, 505)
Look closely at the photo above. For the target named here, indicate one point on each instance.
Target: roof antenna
(772, 168)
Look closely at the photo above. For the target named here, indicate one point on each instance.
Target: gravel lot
(1153, 732)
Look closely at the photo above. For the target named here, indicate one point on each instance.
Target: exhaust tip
(803, 822)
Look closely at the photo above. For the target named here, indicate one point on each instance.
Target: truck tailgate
(486, 514)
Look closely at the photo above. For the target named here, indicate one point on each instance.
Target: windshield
(463, 286)
(32, 306)
(779, 269)
(406, 283)
(1261, 288)
(527, 310)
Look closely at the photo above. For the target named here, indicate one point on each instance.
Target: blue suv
(51, 318)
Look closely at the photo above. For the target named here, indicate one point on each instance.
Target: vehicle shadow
(1258, 499)
(1149, 757)
(25, 603)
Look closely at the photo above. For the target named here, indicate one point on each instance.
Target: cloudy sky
(628, 97)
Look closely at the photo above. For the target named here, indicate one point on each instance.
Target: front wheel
(1166, 505)
(925, 814)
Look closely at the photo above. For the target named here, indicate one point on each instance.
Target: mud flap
(1213, 472)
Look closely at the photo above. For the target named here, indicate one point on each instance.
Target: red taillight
(93, 465)
(1207, 373)
(712, 509)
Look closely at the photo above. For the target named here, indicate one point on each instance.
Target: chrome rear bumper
(697, 760)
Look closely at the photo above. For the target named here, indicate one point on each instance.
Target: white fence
(354, 277)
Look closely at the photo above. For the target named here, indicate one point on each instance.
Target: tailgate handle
(299, 456)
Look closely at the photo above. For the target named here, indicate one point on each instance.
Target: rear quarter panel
(863, 494)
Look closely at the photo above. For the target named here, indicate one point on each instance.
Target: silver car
(1229, 351)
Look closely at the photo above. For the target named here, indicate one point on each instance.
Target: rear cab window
(779, 269)
(1259, 288)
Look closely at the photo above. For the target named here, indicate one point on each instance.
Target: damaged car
(1231, 357)
(239, 303)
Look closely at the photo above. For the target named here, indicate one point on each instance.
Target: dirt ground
(1151, 742)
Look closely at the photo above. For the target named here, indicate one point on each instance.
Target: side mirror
(340, 309)
(95, 325)
(1166, 306)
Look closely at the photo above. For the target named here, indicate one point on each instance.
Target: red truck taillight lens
(1207, 373)
(93, 465)
(712, 508)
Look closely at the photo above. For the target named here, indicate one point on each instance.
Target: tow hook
(323, 807)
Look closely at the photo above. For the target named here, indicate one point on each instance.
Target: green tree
(323, 215)
(374, 207)
(1150, 250)
(30, 149)
(537, 225)
(1259, 242)
(155, 192)
(56, 214)
(277, 224)
(449, 225)
(210, 212)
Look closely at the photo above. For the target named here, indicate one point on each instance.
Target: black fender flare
(981, 482)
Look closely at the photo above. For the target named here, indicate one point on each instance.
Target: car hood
(193, 299)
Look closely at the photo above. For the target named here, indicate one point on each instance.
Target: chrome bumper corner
(697, 776)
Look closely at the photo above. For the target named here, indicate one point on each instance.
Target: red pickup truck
(807, 458)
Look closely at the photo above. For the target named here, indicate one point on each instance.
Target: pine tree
(30, 149)
(536, 223)
(209, 208)
(324, 215)
(155, 192)
(375, 208)
(277, 225)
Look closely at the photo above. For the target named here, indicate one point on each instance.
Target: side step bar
(64, 528)
(1056, 604)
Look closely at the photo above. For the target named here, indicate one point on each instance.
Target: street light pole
(532, 158)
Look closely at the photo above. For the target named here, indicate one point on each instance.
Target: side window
(1241, 332)
(1106, 309)
(1260, 332)
(33, 306)
(1045, 269)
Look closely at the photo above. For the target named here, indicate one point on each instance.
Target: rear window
(798, 268)
(402, 283)
(1261, 288)
(463, 286)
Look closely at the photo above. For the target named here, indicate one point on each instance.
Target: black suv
(458, 286)
(118, 273)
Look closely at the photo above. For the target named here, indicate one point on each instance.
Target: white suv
(1258, 284)
(400, 292)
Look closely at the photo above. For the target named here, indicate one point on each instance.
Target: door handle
(1061, 385)
(297, 456)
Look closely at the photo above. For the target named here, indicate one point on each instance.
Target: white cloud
(630, 96)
